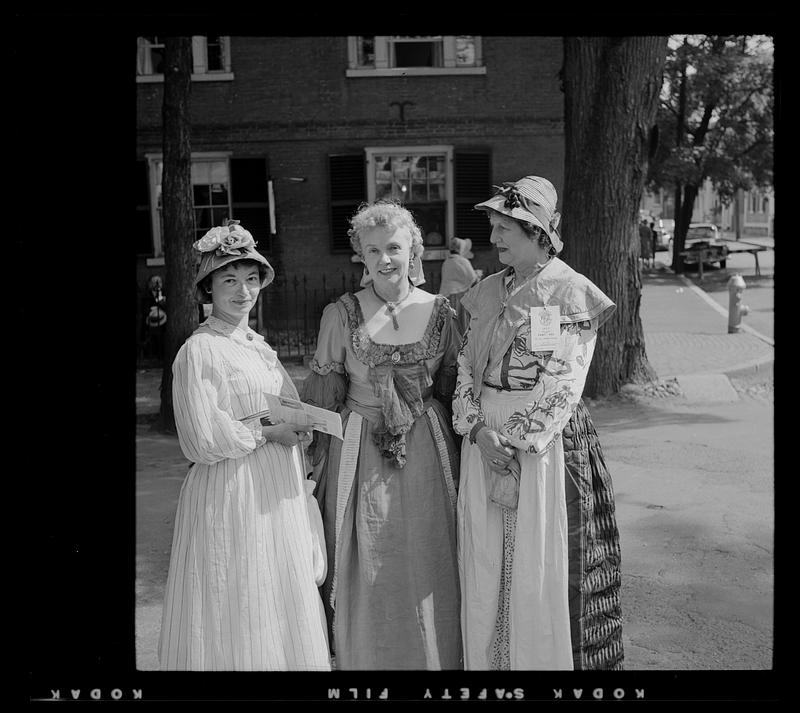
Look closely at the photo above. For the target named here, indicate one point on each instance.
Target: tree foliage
(715, 121)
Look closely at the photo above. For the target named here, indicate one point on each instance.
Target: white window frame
(383, 54)
(155, 216)
(200, 71)
(449, 185)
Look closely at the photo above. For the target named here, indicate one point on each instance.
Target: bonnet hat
(531, 199)
(223, 245)
(463, 247)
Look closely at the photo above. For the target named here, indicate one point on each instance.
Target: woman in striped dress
(246, 556)
(539, 555)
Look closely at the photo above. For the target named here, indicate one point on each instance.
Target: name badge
(545, 328)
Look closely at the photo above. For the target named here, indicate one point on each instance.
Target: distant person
(458, 275)
(154, 318)
(646, 243)
(654, 237)
(539, 553)
(246, 557)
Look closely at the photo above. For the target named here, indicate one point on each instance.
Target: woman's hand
(495, 448)
(288, 433)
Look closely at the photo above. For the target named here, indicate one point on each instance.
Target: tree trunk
(611, 87)
(683, 217)
(177, 212)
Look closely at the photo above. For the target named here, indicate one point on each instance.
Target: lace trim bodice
(373, 353)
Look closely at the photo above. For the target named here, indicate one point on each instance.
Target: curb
(719, 308)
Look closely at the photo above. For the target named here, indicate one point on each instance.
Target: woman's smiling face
(387, 252)
(234, 290)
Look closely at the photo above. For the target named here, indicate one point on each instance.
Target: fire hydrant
(736, 310)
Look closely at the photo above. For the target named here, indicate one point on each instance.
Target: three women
(520, 562)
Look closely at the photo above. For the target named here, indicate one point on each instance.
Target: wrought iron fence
(289, 311)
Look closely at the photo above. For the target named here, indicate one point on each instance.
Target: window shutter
(143, 225)
(250, 198)
(473, 184)
(348, 188)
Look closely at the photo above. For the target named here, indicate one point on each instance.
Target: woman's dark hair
(205, 283)
(534, 232)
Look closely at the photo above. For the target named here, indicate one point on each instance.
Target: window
(210, 59)
(394, 55)
(420, 178)
(438, 184)
(222, 187)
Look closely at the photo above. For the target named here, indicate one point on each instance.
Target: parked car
(706, 235)
(664, 228)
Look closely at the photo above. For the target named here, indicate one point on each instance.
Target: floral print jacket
(496, 354)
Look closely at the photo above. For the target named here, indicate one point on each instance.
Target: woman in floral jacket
(538, 543)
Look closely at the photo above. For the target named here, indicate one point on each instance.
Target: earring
(208, 290)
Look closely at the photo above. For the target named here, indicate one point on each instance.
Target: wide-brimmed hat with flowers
(531, 199)
(225, 244)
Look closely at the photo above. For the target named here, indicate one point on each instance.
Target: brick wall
(291, 102)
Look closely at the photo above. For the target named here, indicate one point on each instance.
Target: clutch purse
(504, 489)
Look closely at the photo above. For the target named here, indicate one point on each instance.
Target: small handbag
(503, 488)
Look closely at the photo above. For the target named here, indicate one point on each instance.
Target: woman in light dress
(385, 360)
(458, 275)
(246, 556)
(539, 553)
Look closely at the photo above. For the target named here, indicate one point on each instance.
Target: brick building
(290, 147)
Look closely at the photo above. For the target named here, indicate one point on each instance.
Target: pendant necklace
(392, 306)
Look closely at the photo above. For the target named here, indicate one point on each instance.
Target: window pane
(465, 50)
(202, 195)
(416, 178)
(219, 194)
(417, 54)
(202, 220)
(201, 172)
(218, 216)
(366, 51)
(214, 46)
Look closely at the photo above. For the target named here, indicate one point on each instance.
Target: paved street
(692, 463)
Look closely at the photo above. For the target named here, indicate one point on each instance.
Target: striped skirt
(594, 551)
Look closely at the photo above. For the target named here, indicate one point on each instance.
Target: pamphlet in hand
(282, 408)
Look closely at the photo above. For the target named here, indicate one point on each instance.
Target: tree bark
(611, 87)
(177, 213)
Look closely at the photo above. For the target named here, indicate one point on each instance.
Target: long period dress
(539, 557)
(246, 560)
(388, 491)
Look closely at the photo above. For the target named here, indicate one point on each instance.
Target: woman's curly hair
(384, 213)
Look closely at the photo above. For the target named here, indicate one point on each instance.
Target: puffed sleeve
(206, 431)
(467, 411)
(326, 385)
(556, 390)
